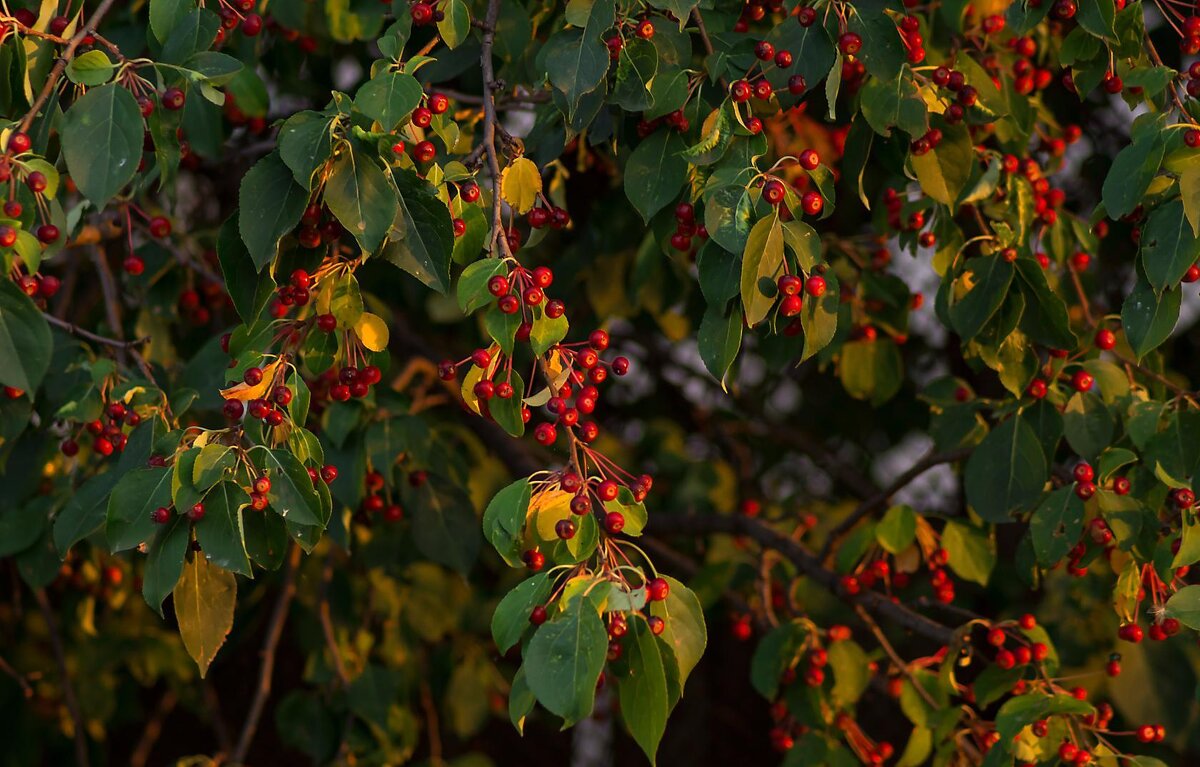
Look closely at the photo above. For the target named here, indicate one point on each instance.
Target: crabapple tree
(380, 377)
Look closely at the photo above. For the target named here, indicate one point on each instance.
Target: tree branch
(270, 643)
(489, 114)
(60, 66)
(60, 656)
(88, 335)
(805, 561)
(880, 500)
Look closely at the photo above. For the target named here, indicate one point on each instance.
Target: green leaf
(1056, 524)
(1168, 246)
(819, 317)
(1185, 605)
(191, 34)
(359, 194)
(985, 282)
(1132, 170)
(292, 495)
(270, 205)
(655, 173)
(444, 528)
(92, 68)
(577, 60)
(504, 520)
(761, 260)
(472, 289)
(727, 215)
(1006, 472)
(897, 530)
(851, 673)
(1088, 425)
(685, 631)
(546, 332)
(25, 340)
(372, 694)
(943, 172)
(220, 531)
(972, 552)
(882, 51)
(871, 370)
(455, 25)
(249, 291)
(642, 691)
(720, 338)
(1044, 318)
(165, 14)
(212, 464)
(388, 98)
(205, 598)
(164, 563)
(1097, 17)
(564, 659)
(102, 142)
(511, 618)
(1023, 710)
(894, 102)
(305, 144)
(134, 498)
(813, 54)
(1149, 318)
(774, 655)
(428, 241)
(636, 68)
(218, 69)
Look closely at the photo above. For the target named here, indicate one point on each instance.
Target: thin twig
(431, 724)
(897, 661)
(60, 66)
(88, 335)
(805, 561)
(60, 656)
(270, 643)
(153, 729)
(881, 499)
(327, 621)
(17, 676)
(489, 115)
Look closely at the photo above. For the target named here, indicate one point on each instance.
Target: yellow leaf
(520, 184)
(546, 509)
(204, 600)
(245, 392)
(372, 331)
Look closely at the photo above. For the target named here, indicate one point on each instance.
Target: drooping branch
(804, 560)
(88, 335)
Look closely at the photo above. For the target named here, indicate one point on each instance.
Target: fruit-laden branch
(804, 560)
(60, 65)
(880, 500)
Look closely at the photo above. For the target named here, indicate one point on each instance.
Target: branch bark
(880, 500)
(60, 66)
(270, 643)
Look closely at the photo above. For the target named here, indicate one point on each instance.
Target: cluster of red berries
(755, 10)
(893, 203)
(159, 228)
(19, 143)
(551, 216)
(674, 120)
(296, 292)
(523, 287)
(914, 44)
(39, 287)
(790, 287)
(350, 382)
(422, 152)
(1023, 651)
(686, 227)
(1026, 76)
(196, 308)
(965, 96)
(318, 227)
(238, 15)
(376, 502)
(107, 432)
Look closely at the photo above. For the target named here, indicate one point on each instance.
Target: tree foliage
(480, 359)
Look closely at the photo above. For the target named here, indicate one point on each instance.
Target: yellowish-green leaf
(204, 600)
(520, 184)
